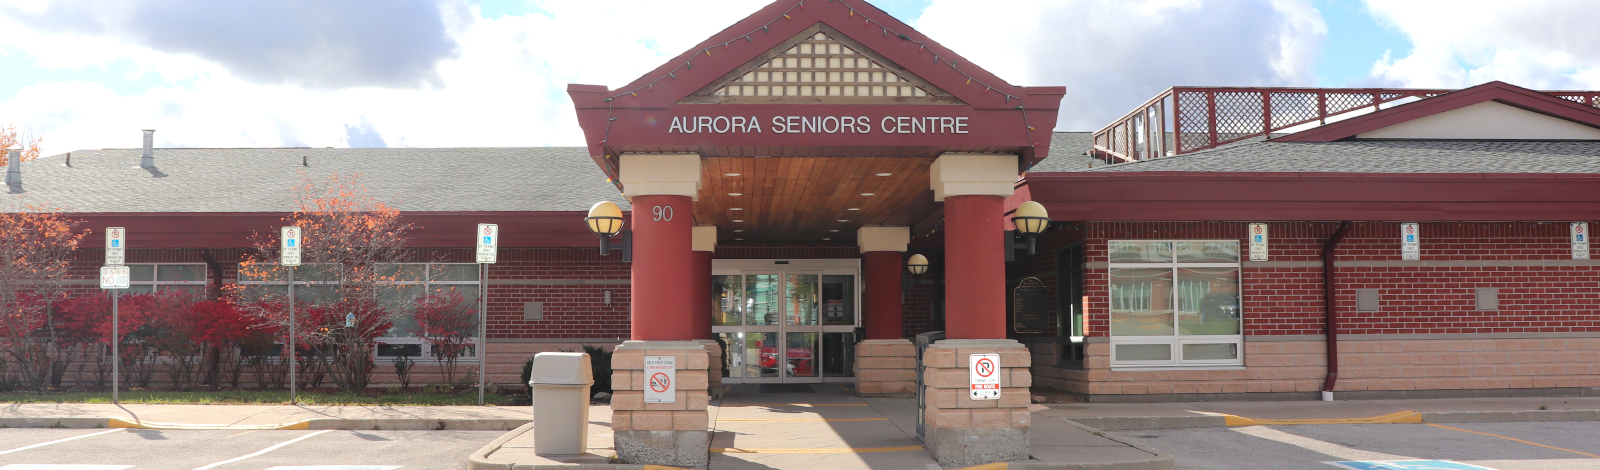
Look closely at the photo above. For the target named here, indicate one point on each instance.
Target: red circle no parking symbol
(985, 367)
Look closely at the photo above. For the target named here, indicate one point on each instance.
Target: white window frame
(156, 283)
(1176, 341)
(427, 357)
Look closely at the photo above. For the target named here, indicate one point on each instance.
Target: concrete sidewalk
(1122, 416)
(829, 427)
(77, 415)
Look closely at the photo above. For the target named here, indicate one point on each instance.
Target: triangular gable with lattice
(817, 67)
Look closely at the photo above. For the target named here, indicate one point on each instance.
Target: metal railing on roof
(1188, 119)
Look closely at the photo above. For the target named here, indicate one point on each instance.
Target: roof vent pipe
(13, 167)
(148, 158)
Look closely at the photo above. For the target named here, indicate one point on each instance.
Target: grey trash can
(560, 383)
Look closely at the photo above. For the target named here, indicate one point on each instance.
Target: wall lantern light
(917, 265)
(605, 221)
(1031, 220)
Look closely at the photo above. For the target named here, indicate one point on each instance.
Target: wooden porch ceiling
(807, 198)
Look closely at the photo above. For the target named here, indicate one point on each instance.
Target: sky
(87, 74)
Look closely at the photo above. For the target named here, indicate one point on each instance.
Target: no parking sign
(984, 374)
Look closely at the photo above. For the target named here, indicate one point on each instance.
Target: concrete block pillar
(885, 363)
(661, 188)
(961, 430)
(675, 434)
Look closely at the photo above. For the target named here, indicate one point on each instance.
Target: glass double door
(784, 325)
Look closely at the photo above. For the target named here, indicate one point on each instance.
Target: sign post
(1258, 242)
(984, 376)
(114, 277)
(1410, 244)
(661, 379)
(488, 236)
(1580, 240)
(289, 252)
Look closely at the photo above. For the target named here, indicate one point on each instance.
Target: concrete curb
(1523, 416)
(480, 460)
(377, 424)
(1126, 423)
(1129, 423)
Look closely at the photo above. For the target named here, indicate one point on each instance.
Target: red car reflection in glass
(799, 360)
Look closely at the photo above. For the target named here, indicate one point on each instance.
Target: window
(1069, 315)
(144, 278)
(1175, 304)
(413, 280)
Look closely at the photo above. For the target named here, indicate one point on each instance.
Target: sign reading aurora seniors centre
(818, 125)
(660, 379)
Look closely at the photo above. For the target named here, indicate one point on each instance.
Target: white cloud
(1113, 55)
(1541, 44)
(505, 87)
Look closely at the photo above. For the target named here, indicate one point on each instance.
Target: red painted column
(700, 306)
(662, 258)
(975, 289)
(882, 311)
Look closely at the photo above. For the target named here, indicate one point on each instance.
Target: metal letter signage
(1030, 306)
(1410, 247)
(114, 277)
(984, 372)
(488, 243)
(1580, 240)
(661, 379)
(116, 245)
(290, 239)
(1258, 242)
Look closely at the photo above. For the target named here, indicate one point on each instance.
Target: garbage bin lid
(561, 368)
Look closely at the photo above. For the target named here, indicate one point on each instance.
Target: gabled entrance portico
(824, 124)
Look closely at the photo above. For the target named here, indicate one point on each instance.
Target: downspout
(1331, 320)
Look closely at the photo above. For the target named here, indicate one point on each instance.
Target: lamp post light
(1031, 220)
(605, 221)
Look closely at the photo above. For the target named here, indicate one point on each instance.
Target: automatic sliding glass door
(785, 325)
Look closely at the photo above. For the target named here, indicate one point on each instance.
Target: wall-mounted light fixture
(608, 298)
(605, 221)
(1031, 220)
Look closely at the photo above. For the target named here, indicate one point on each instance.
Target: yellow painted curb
(857, 450)
(1408, 417)
(125, 424)
(989, 466)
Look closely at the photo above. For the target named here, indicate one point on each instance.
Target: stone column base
(886, 368)
(674, 434)
(963, 431)
(713, 367)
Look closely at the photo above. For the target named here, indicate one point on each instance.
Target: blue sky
(89, 73)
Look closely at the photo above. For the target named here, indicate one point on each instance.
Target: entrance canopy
(815, 118)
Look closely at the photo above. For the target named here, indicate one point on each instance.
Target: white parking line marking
(263, 451)
(338, 467)
(57, 441)
(51, 466)
(1327, 448)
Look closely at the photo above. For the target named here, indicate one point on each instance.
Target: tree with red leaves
(449, 324)
(35, 259)
(352, 243)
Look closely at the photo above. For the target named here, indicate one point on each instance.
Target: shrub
(600, 365)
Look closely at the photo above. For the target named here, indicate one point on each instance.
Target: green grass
(251, 397)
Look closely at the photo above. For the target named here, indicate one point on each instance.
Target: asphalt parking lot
(1501, 446)
(97, 449)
